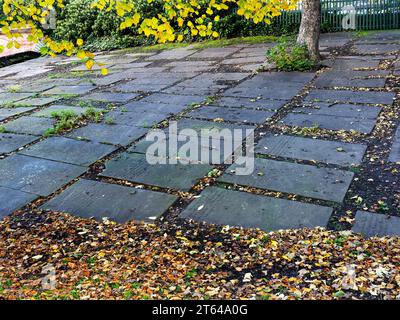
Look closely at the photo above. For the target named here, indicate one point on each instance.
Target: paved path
(327, 143)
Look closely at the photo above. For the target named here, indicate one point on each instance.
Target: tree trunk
(310, 27)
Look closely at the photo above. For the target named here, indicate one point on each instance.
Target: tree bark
(310, 27)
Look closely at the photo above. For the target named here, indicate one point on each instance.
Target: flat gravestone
(134, 167)
(119, 203)
(330, 122)
(37, 102)
(173, 99)
(30, 125)
(374, 224)
(78, 90)
(12, 200)
(395, 153)
(342, 110)
(112, 134)
(231, 114)
(235, 208)
(10, 142)
(330, 152)
(110, 97)
(144, 119)
(67, 150)
(166, 108)
(305, 180)
(10, 112)
(248, 103)
(37, 176)
(368, 97)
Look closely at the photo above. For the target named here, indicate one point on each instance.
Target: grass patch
(2, 129)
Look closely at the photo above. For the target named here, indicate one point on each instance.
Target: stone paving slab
(395, 151)
(70, 151)
(214, 53)
(368, 97)
(12, 200)
(37, 176)
(244, 60)
(231, 114)
(7, 98)
(75, 90)
(174, 54)
(349, 62)
(330, 122)
(10, 142)
(201, 91)
(30, 125)
(47, 112)
(248, 103)
(155, 107)
(304, 180)
(111, 134)
(266, 93)
(37, 102)
(174, 98)
(134, 167)
(145, 119)
(10, 112)
(234, 208)
(191, 66)
(133, 87)
(376, 48)
(330, 152)
(334, 79)
(372, 224)
(110, 97)
(341, 110)
(92, 199)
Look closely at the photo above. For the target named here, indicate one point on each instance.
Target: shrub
(290, 56)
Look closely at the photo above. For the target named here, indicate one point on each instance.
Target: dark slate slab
(395, 151)
(337, 81)
(46, 112)
(346, 63)
(201, 91)
(284, 92)
(377, 48)
(10, 142)
(212, 53)
(166, 108)
(174, 54)
(342, 110)
(143, 119)
(110, 97)
(104, 133)
(30, 125)
(12, 200)
(227, 207)
(37, 176)
(135, 87)
(247, 103)
(119, 203)
(231, 114)
(330, 122)
(37, 102)
(173, 98)
(330, 152)
(304, 180)
(67, 150)
(6, 112)
(81, 89)
(8, 97)
(368, 97)
(134, 167)
(374, 224)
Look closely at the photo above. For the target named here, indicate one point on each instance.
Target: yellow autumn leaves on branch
(175, 20)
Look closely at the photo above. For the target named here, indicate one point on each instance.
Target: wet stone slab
(112, 134)
(30, 125)
(10, 142)
(329, 122)
(12, 200)
(37, 176)
(234, 208)
(305, 180)
(248, 103)
(231, 114)
(67, 150)
(372, 224)
(134, 167)
(330, 152)
(10, 112)
(395, 151)
(110, 97)
(350, 96)
(92, 199)
(144, 119)
(7, 98)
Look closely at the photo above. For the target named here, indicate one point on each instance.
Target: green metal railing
(363, 15)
